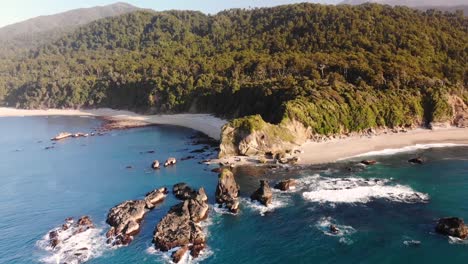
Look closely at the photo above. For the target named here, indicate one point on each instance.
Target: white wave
(219, 209)
(413, 243)
(74, 248)
(359, 190)
(456, 240)
(344, 231)
(393, 151)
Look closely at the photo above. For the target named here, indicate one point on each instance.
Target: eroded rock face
(124, 220)
(263, 194)
(155, 197)
(452, 226)
(180, 228)
(227, 191)
(286, 185)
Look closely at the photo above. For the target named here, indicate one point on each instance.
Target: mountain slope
(333, 69)
(423, 5)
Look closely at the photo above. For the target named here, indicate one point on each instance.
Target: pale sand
(333, 150)
(205, 123)
(313, 152)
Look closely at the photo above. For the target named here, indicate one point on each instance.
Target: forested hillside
(333, 68)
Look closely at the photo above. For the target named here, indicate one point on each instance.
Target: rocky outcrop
(368, 162)
(227, 191)
(250, 136)
(263, 194)
(452, 226)
(183, 192)
(155, 165)
(459, 110)
(286, 185)
(126, 217)
(180, 227)
(170, 161)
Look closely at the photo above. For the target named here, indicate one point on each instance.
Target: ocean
(386, 213)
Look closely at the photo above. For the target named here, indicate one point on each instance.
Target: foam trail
(358, 190)
(393, 151)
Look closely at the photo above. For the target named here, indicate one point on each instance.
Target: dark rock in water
(50, 147)
(180, 228)
(227, 191)
(150, 151)
(334, 229)
(216, 170)
(286, 185)
(129, 167)
(452, 226)
(417, 160)
(263, 194)
(198, 150)
(178, 254)
(125, 219)
(187, 158)
(368, 162)
(155, 197)
(183, 192)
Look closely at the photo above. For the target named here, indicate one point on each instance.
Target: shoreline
(205, 123)
(312, 152)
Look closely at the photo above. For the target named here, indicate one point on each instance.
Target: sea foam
(344, 231)
(358, 190)
(393, 151)
(73, 248)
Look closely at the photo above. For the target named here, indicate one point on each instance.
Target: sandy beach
(312, 152)
(205, 123)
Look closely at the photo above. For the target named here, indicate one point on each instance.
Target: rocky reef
(180, 227)
(452, 226)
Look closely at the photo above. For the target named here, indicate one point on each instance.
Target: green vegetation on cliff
(333, 68)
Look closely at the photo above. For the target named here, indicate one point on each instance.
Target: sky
(12, 11)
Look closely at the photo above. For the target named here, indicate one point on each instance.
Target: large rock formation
(459, 110)
(183, 192)
(125, 218)
(286, 185)
(263, 194)
(452, 226)
(180, 228)
(227, 191)
(251, 136)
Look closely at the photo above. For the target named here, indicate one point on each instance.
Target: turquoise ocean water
(381, 210)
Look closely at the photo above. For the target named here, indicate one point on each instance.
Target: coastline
(311, 152)
(205, 123)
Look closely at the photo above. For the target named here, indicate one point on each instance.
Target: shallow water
(380, 210)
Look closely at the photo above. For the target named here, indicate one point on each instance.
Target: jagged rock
(154, 197)
(178, 254)
(417, 160)
(334, 229)
(179, 227)
(170, 161)
(155, 164)
(263, 194)
(452, 226)
(227, 191)
(286, 185)
(125, 218)
(368, 162)
(183, 192)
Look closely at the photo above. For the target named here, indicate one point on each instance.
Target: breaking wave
(74, 247)
(358, 190)
(393, 151)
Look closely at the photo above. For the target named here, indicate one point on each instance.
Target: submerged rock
(417, 160)
(368, 162)
(286, 185)
(227, 191)
(452, 226)
(180, 228)
(263, 194)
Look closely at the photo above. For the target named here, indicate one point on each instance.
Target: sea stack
(286, 185)
(170, 161)
(227, 191)
(263, 194)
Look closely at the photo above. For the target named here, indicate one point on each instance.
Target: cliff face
(251, 136)
(459, 110)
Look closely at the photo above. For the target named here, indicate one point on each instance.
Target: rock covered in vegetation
(286, 185)
(452, 226)
(263, 194)
(227, 191)
(180, 227)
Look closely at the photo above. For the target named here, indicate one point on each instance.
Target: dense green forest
(333, 68)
